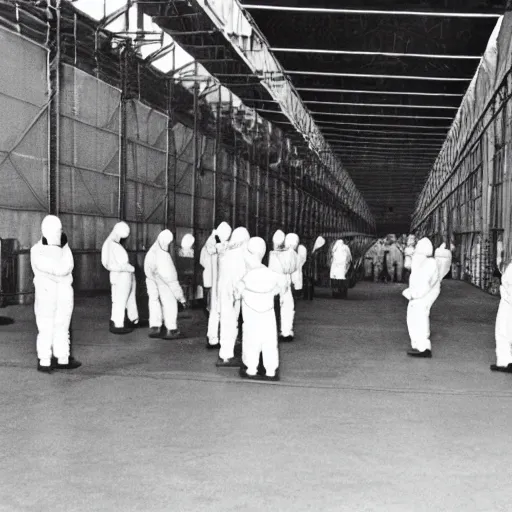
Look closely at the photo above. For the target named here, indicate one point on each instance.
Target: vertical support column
(123, 164)
(216, 158)
(168, 159)
(234, 168)
(256, 180)
(267, 186)
(54, 108)
(248, 196)
(195, 157)
(257, 211)
(174, 155)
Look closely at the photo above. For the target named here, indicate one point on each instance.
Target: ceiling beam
(392, 116)
(409, 126)
(440, 136)
(397, 93)
(381, 54)
(406, 145)
(384, 140)
(393, 77)
(323, 10)
(385, 105)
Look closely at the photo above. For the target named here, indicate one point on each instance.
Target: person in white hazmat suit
(257, 290)
(503, 328)
(424, 289)
(215, 245)
(205, 260)
(164, 290)
(231, 269)
(52, 263)
(395, 260)
(408, 254)
(122, 279)
(341, 259)
(284, 261)
(298, 276)
(443, 257)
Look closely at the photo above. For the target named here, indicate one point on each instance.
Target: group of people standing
(234, 276)
(237, 282)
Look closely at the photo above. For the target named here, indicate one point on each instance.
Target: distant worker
(298, 276)
(340, 264)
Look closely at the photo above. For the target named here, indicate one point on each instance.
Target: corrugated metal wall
(468, 196)
(208, 180)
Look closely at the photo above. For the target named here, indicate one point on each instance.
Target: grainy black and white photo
(256, 255)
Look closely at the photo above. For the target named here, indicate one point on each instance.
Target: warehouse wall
(228, 183)
(467, 199)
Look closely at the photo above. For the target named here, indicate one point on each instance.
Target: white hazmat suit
(285, 262)
(503, 329)
(257, 290)
(164, 290)
(52, 264)
(341, 259)
(222, 234)
(231, 269)
(424, 288)
(122, 279)
(443, 257)
(297, 276)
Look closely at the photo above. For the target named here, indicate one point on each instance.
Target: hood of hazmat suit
(259, 286)
(159, 267)
(443, 257)
(341, 258)
(49, 260)
(297, 276)
(186, 250)
(278, 240)
(51, 229)
(223, 231)
(283, 260)
(113, 255)
(319, 243)
(232, 263)
(424, 280)
(291, 241)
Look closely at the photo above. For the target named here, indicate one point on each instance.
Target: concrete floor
(354, 425)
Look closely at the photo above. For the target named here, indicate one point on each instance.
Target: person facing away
(257, 290)
(283, 260)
